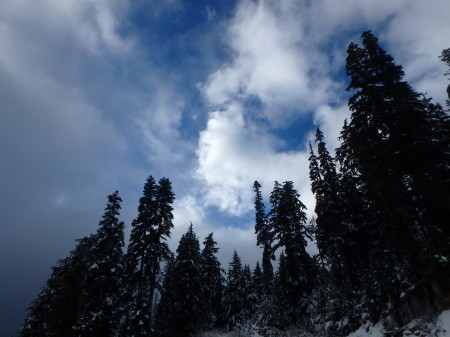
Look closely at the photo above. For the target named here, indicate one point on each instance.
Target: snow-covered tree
(212, 274)
(264, 235)
(99, 314)
(233, 294)
(288, 222)
(146, 250)
(188, 312)
(59, 305)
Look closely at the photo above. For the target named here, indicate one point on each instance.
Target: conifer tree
(445, 57)
(81, 296)
(395, 141)
(61, 302)
(264, 236)
(38, 322)
(45, 313)
(284, 311)
(288, 222)
(262, 301)
(233, 293)
(258, 281)
(146, 250)
(343, 237)
(188, 311)
(162, 225)
(166, 304)
(99, 314)
(248, 293)
(213, 281)
(332, 231)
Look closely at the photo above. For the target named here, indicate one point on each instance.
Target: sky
(96, 95)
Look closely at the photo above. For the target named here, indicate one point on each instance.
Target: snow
(369, 330)
(441, 259)
(440, 327)
(223, 334)
(214, 334)
(443, 323)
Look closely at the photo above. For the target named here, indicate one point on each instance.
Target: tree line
(382, 210)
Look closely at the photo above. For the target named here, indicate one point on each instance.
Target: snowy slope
(438, 327)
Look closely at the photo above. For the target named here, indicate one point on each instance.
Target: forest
(381, 228)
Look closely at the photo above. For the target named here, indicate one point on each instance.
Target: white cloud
(160, 124)
(272, 61)
(233, 153)
(330, 121)
(414, 32)
(287, 54)
(417, 36)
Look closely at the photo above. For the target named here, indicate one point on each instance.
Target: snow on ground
(369, 329)
(443, 322)
(439, 327)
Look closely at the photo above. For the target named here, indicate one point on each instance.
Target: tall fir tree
(233, 292)
(332, 231)
(262, 301)
(445, 57)
(146, 250)
(264, 236)
(166, 304)
(99, 316)
(248, 294)
(62, 300)
(81, 296)
(288, 221)
(282, 315)
(213, 281)
(259, 281)
(187, 296)
(395, 140)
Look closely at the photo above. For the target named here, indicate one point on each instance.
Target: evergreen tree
(187, 295)
(233, 293)
(147, 249)
(213, 281)
(248, 294)
(284, 311)
(136, 294)
(332, 231)
(445, 57)
(258, 281)
(99, 315)
(288, 221)
(395, 140)
(264, 236)
(166, 304)
(162, 225)
(38, 321)
(262, 302)
(61, 302)
(44, 317)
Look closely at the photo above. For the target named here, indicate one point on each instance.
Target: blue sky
(97, 95)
